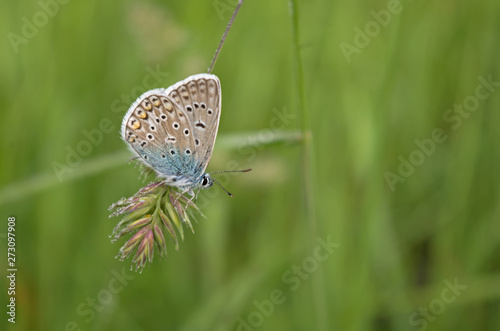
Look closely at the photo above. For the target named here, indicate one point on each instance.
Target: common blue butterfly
(173, 130)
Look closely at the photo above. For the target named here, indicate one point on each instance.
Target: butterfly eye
(204, 181)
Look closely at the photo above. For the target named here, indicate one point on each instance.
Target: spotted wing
(160, 133)
(200, 98)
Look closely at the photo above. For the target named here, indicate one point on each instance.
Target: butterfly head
(206, 181)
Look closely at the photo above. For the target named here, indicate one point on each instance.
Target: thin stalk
(307, 157)
(95, 165)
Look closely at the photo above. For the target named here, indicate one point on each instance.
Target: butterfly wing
(199, 96)
(160, 133)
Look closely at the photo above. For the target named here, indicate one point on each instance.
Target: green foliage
(373, 203)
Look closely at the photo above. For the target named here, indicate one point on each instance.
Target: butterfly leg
(188, 190)
(196, 195)
(193, 197)
(191, 193)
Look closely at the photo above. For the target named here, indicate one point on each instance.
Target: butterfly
(173, 130)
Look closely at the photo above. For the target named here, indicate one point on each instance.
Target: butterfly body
(173, 130)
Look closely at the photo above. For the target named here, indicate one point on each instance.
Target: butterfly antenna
(224, 36)
(222, 187)
(219, 172)
(223, 171)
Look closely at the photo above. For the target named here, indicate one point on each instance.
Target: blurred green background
(415, 230)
